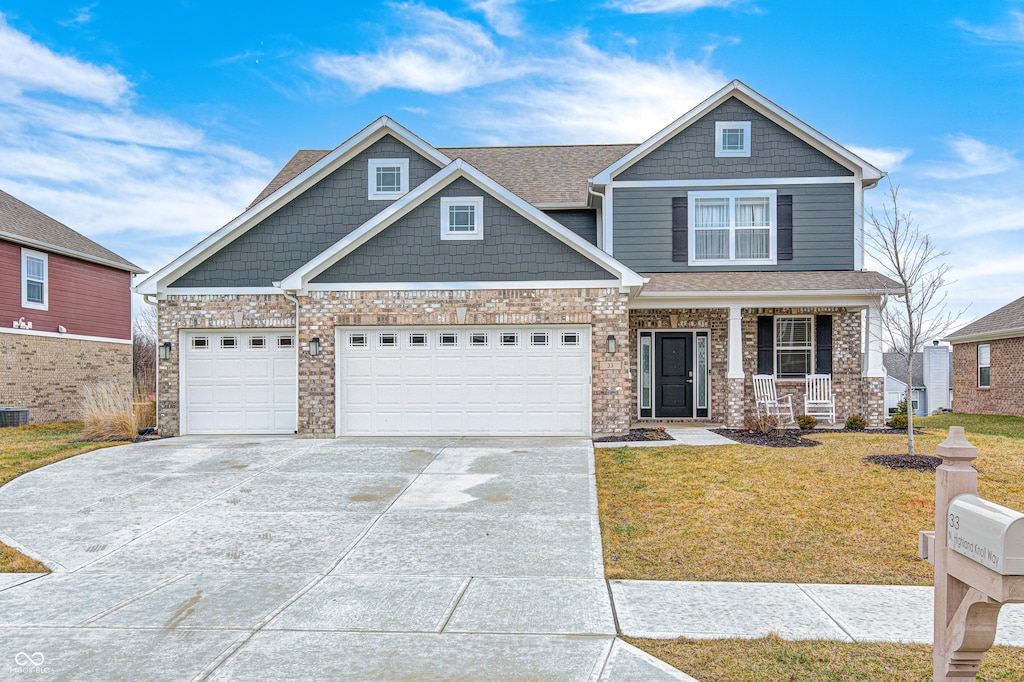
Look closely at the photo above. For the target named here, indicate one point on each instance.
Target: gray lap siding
(823, 228)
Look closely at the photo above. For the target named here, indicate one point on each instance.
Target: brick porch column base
(874, 401)
(735, 403)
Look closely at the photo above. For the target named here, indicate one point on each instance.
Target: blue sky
(146, 127)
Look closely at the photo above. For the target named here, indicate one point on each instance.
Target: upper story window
(388, 178)
(732, 138)
(34, 280)
(984, 366)
(732, 227)
(462, 217)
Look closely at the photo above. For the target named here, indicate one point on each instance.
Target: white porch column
(873, 366)
(735, 370)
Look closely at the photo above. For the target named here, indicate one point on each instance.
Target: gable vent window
(34, 289)
(732, 138)
(388, 178)
(462, 218)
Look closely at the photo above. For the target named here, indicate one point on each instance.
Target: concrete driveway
(279, 558)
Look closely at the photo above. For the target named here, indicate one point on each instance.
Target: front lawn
(757, 514)
(773, 658)
(25, 448)
(988, 424)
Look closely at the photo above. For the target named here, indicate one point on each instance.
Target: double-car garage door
(498, 380)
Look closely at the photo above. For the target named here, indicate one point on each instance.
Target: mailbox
(987, 533)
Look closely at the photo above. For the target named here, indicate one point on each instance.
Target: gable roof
(547, 176)
(870, 175)
(813, 281)
(28, 226)
(1005, 322)
(895, 366)
(458, 168)
(286, 192)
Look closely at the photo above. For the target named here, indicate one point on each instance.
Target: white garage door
(500, 381)
(238, 382)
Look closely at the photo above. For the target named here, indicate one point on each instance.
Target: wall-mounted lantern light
(314, 346)
(611, 343)
(165, 350)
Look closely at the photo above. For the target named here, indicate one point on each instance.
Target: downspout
(156, 375)
(296, 302)
(600, 232)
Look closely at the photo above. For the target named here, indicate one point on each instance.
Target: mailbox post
(978, 552)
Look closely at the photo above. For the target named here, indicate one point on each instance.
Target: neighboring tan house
(65, 314)
(390, 287)
(931, 372)
(988, 357)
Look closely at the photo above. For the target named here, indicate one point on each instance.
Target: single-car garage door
(501, 381)
(238, 382)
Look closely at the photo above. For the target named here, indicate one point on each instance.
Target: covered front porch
(698, 339)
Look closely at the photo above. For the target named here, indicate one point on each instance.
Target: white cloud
(883, 158)
(500, 14)
(443, 55)
(73, 145)
(975, 158)
(30, 67)
(587, 95)
(83, 15)
(657, 6)
(1011, 31)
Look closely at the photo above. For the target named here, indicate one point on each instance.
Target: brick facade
(733, 399)
(320, 312)
(1005, 395)
(46, 374)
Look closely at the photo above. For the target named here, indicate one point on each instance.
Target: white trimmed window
(462, 218)
(984, 365)
(732, 138)
(732, 227)
(794, 347)
(388, 178)
(35, 289)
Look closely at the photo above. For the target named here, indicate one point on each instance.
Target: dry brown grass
(773, 658)
(108, 413)
(753, 514)
(26, 448)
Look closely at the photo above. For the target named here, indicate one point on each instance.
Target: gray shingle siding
(306, 226)
(581, 221)
(823, 228)
(774, 152)
(512, 249)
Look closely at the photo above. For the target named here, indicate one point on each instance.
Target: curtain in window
(753, 244)
(753, 212)
(711, 244)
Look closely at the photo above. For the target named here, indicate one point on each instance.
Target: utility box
(13, 416)
(987, 533)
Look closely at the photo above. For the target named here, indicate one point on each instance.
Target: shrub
(761, 424)
(897, 421)
(901, 407)
(855, 422)
(108, 412)
(806, 421)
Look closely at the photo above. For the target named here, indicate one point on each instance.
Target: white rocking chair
(769, 403)
(819, 400)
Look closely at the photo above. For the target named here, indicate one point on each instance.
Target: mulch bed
(905, 461)
(787, 438)
(885, 431)
(636, 435)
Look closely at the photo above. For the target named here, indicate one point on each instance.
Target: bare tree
(918, 313)
(144, 352)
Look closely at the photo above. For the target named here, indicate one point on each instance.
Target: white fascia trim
(56, 335)
(759, 103)
(459, 168)
(293, 188)
(987, 336)
(736, 182)
(35, 243)
(466, 286)
(216, 291)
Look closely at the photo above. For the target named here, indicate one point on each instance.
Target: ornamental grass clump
(108, 413)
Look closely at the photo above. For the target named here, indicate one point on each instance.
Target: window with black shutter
(679, 230)
(823, 344)
(784, 218)
(765, 344)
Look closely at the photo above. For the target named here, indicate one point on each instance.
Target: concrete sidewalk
(851, 613)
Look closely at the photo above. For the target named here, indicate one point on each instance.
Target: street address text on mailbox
(987, 533)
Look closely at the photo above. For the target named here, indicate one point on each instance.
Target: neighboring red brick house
(988, 363)
(65, 314)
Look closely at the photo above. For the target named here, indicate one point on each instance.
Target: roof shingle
(817, 280)
(19, 221)
(1009, 318)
